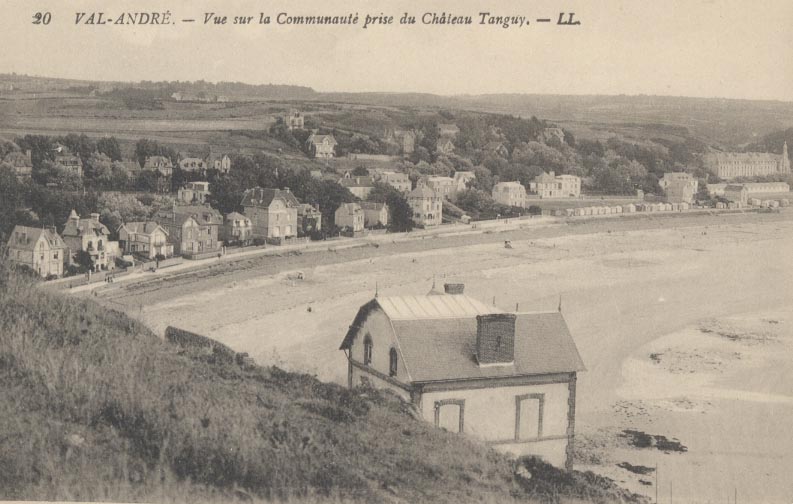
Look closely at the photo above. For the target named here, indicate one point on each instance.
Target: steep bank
(93, 406)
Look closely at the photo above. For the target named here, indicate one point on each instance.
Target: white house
(349, 216)
(550, 185)
(427, 206)
(510, 194)
(508, 379)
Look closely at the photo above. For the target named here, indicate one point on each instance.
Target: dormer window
(367, 350)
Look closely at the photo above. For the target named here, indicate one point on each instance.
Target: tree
(360, 171)
(99, 169)
(80, 145)
(40, 147)
(83, 258)
(109, 147)
(400, 213)
(145, 148)
(11, 198)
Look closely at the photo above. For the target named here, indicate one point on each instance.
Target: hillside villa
(497, 148)
(39, 249)
(444, 145)
(90, 236)
(461, 180)
(398, 180)
(550, 185)
(192, 229)
(273, 213)
(508, 379)
(552, 134)
(405, 140)
(374, 214)
(160, 164)
(321, 146)
(193, 193)
(426, 205)
(294, 120)
(309, 219)
(680, 187)
(443, 186)
(147, 239)
(359, 186)
(21, 162)
(219, 162)
(236, 229)
(510, 194)
(192, 164)
(350, 217)
(68, 161)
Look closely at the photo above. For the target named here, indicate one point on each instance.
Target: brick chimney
(454, 288)
(95, 217)
(495, 338)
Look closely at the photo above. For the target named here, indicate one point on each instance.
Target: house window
(528, 416)
(450, 414)
(367, 350)
(392, 362)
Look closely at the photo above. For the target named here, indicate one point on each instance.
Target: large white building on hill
(730, 165)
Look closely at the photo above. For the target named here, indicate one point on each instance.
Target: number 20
(39, 18)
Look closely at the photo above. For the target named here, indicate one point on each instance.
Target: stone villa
(39, 249)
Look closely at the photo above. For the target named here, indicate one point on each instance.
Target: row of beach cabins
(665, 207)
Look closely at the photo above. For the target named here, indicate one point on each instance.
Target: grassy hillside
(94, 406)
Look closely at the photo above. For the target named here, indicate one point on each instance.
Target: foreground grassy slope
(94, 406)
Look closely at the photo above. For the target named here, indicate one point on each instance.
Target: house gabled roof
(84, 227)
(259, 197)
(544, 178)
(18, 159)
(318, 139)
(356, 181)
(348, 208)
(205, 215)
(142, 227)
(436, 336)
(371, 205)
(32, 236)
(422, 192)
(154, 160)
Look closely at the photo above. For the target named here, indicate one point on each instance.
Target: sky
(703, 48)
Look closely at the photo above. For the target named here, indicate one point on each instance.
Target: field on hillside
(627, 287)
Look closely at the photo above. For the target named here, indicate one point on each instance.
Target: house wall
(374, 217)
(489, 414)
(379, 328)
(510, 196)
(427, 211)
(43, 260)
(342, 218)
(276, 221)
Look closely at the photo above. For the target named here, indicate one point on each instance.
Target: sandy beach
(683, 324)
